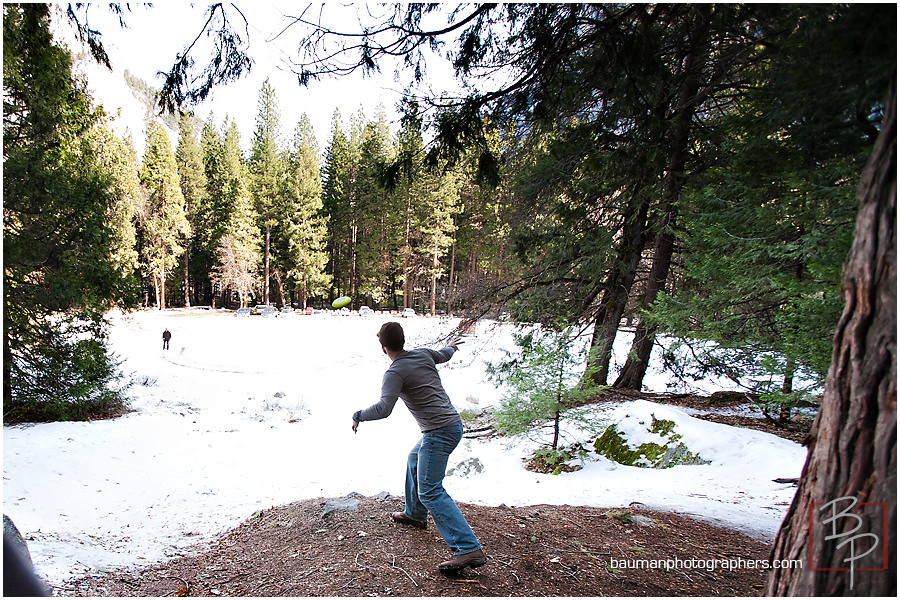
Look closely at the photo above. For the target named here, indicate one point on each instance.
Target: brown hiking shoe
(402, 517)
(461, 561)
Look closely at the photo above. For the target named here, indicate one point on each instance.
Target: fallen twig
(579, 525)
(705, 574)
(393, 564)
(588, 552)
(508, 565)
(476, 430)
(470, 581)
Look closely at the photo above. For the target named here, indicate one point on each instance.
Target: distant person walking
(166, 337)
(413, 376)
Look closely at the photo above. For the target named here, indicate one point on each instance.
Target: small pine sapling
(545, 378)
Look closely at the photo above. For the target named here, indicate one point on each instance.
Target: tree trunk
(853, 443)
(353, 273)
(451, 287)
(790, 369)
(187, 274)
(632, 374)
(7, 358)
(266, 264)
(159, 282)
(434, 266)
(618, 285)
(685, 102)
(407, 252)
(279, 288)
(555, 444)
(787, 387)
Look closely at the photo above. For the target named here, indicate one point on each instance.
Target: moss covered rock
(638, 441)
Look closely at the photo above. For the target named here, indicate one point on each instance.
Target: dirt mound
(542, 550)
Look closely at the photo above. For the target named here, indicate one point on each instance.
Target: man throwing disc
(413, 376)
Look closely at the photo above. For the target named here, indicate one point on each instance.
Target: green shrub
(550, 460)
(544, 380)
(69, 375)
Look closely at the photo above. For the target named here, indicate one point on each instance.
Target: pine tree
(210, 217)
(164, 222)
(306, 228)
(193, 186)
(266, 175)
(226, 178)
(479, 252)
(410, 146)
(336, 175)
(770, 225)
(65, 243)
(373, 214)
(544, 380)
(120, 161)
(435, 198)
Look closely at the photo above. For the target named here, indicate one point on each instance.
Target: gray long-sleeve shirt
(413, 376)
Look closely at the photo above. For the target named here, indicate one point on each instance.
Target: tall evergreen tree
(210, 217)
(193, 186)
(226, 179)
(164, 222)
(267, 172)
(770, 224)
(410, 147)
(120, 161)
(336, 175)
(479, 252)
(63, 260)
(373, 214)
(306, 228)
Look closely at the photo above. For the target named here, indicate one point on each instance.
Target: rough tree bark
(853, 443)
(618, 284)
(632, 374)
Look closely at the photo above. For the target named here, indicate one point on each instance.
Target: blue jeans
(425, 491)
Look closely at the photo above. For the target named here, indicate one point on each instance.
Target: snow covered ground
(243, 414)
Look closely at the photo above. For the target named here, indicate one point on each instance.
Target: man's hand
(455, 343)
(355, 425)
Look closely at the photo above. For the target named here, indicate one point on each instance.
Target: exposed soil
(298, 550)
(542, 550)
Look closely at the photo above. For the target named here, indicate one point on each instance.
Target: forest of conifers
(689, 169)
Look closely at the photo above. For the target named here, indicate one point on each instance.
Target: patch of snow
(211, 443)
